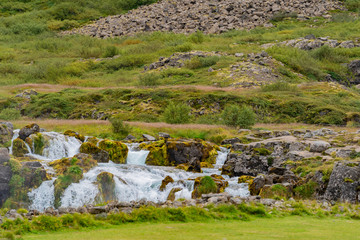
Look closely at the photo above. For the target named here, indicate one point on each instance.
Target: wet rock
(171, 196)
(28, 130)
(97, 153)
(194, 165)
(106, 185)
(74, 134)
(4, 155)
(165, 182)
(344, 182)
(257, 184)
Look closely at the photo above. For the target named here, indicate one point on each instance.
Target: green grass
(260, 228)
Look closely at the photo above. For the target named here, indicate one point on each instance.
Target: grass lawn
(259, 228)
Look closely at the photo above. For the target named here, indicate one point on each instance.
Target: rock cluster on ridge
(187, 16)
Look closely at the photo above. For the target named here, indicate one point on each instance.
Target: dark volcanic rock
(242, 164)
(344, 182)
(28, 130)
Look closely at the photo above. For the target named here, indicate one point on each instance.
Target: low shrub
(177, 113)
(200, 62)
(149, 80)
(119, 127)
(238, 117)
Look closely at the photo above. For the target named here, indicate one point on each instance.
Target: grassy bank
(260, 228)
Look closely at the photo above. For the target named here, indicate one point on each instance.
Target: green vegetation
(238, 117)
(10, 114)
(207, 185)
(177, 113)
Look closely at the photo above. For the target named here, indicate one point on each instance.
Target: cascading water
(135, 155)
(133, 181)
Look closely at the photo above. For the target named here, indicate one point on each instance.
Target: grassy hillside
(32, 50)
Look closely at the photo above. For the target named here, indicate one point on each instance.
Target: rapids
(134, 180)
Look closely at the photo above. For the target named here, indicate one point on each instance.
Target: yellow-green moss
(245, 179)
(89, 148)
(158, 153)
(117, 150)
(74, 134)
(39, 143)
(19, 148)
(106, 185)
(206, 165)
(165, 182)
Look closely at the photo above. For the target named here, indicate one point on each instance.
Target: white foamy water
(58, 146)
(136, 156)
(133, 181)
(43, 197)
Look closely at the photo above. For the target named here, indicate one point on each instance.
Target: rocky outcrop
(176, 152)
(344, 182)
(310, 42)
(97, 153)
(28, 130)
(5, 175)
(188, 16)
(106, 185)
(19, 148)
(6, 133)
(354, 68)
(244, 164)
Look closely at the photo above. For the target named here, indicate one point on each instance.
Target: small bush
(149, 80)
(306, 190)
(200, 62)
(110, 51)
(238, 117)
(207, 185)
(118, 126)
(197, 37)
(10, 114)
(177, 113)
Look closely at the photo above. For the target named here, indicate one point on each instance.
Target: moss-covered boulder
(117, 150)
(175, 152)
(19, 148)
(70, 170)
(25, 176)
(93, 140)
(165, 182)
(97, 153)
(74, 134)
(38, 142)
(85, 161)
(28, 130)
(106, 186)
(209, 184)
(172, 196)
(157, 153)
(246, 179)
(6, 134)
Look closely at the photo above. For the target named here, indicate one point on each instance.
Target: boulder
(74, 134)
(19, 148)
(344, 182)
(130, 138)
(171, 196)
(117, 150)
(243, 164)
(28, 130)
(165, 182)
(257, 184)
(164, 135)
(6, 133)
(354, 68)
(106, 185)
(148, 137)
(319, 146)
(5, 177)
(97, 153)
(4, 155)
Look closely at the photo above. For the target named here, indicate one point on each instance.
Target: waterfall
(43, 197)
(133, 181)
(135, 155)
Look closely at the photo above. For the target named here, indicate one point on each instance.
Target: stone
(171, 196)
(4, 155)
(164, 135)
(257, 184)
(344, 182)
(130, 138)
(28, 130)
(354, 68)
(243, 164)
(97, 210)
(319, 146)
(165, 182)
(148, 137)
(6, 133)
